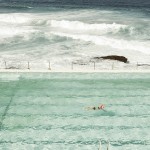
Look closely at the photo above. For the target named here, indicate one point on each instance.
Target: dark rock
(114, 57)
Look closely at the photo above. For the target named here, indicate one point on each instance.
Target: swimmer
(101, 107)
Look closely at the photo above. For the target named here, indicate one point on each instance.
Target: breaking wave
(65, 33)
(77, 25)
(111, 42)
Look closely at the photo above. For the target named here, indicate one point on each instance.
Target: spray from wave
(77, 36)
(113, 43)
(77, 25)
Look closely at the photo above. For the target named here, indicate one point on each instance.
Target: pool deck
(71, 71)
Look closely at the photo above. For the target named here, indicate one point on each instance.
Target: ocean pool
(47, 111)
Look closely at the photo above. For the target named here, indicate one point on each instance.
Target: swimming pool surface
(47, 111)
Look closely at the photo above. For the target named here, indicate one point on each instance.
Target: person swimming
(101, 107)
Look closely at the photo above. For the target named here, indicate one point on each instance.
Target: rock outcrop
(113, 57)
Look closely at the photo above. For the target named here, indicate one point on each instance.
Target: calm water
(46, 111)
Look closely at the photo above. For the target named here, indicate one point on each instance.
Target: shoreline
(72, 71)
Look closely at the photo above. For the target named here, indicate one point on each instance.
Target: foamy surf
(113, 43)
(78, 25)
(67, 36)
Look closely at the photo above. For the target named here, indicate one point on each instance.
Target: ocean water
(66, 31)
(47, 111)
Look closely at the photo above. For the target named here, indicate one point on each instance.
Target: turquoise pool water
(47, 111)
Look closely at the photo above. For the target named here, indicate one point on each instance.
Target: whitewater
(63, 35)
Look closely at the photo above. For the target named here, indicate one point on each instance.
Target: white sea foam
(77, 25)
(14, 31)
(66, 36)
(15, 18)
(16, 24)
(111, 42)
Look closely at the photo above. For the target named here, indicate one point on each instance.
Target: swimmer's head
(101, 107)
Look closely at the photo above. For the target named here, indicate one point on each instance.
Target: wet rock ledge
(113, 57)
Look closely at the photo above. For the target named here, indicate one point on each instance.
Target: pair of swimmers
(101, 107)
